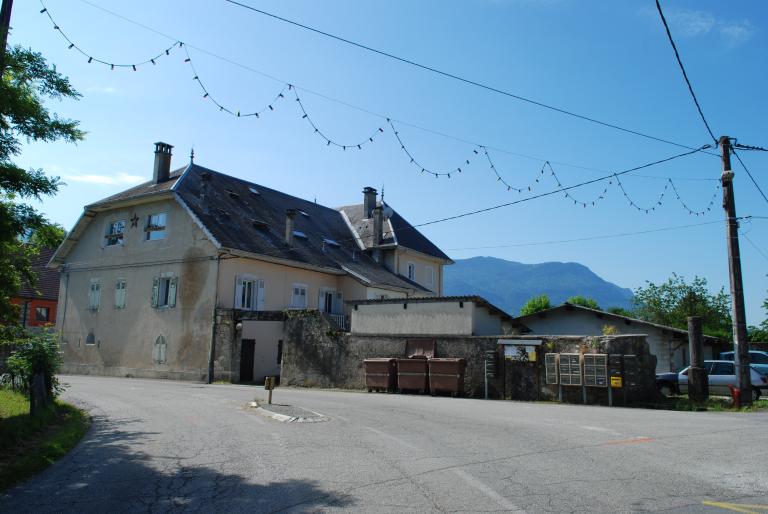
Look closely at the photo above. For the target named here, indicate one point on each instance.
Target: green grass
(27, 445)
(717, 404)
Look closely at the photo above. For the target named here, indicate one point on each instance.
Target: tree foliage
(28, 82)
(621, 311)
(584, 301)
(535, 304)
(671, 302)
(35, 353)
(760, 332)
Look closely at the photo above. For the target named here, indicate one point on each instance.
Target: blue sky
(607, 60)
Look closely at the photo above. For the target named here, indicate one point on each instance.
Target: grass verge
(717, 404)
(27, 445)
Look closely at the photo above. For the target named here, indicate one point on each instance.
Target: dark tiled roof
(569, 307)
(241, 219)
(47, 285)
(145, 189)
(405, 235)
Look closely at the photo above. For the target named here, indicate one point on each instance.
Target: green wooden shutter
(155, 291)
(172, 291)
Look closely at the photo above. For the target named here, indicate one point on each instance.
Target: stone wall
(315, 355)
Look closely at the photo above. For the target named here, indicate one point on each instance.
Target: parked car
(667, 383)
(722, 375)
(755, 357)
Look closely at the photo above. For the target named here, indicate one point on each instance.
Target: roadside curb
(283, 418)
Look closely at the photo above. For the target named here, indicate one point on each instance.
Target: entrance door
(247, 348)
(328, 302)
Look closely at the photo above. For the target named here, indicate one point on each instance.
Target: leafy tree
(584, 301)
(28, 82)
(760, 332)
(671, 302)
(621, 311)
(535, 304)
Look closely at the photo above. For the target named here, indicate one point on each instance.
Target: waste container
(412, 374)
(447, 375)
(380, 374)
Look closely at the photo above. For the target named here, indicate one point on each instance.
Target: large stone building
(189, 275)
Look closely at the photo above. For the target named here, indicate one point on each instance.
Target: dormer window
(156, 226)
(115, 232)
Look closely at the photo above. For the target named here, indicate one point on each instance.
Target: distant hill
(509, 284)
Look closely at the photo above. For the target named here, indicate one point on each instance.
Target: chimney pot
(162, 171)
(290, 214)
(369, 201)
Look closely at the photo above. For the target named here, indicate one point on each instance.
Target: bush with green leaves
(34, 352)
(584, 301)
(536, 304)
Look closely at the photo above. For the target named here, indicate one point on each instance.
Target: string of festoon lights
(223, 108)
(112, 65)
(330, 142)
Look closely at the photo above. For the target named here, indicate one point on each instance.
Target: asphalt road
(159, 446)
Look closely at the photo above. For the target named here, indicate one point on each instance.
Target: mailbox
(595, 370)
(631, 371)
(550, 369)
(616, 370)
(490, 363)
(570, 369)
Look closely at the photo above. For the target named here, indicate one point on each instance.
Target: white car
(722, 374)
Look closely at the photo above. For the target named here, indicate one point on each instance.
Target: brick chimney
(162, 163)
(378, 225)
(369, 201)
(290, 214)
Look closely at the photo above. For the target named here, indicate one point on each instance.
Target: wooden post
(698, 381)
(738, 315)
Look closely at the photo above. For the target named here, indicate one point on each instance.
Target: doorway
(247, 347)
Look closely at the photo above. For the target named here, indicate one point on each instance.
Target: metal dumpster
(412, 374)
(447, 375)
(380, 374)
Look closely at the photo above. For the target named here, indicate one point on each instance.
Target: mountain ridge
(509, 284)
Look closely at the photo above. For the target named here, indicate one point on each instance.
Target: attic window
(331, 242)
(260, 224)
(254, 190)
(304, 214)
(299, 233)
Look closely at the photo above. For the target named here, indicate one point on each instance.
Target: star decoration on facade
(135, 221)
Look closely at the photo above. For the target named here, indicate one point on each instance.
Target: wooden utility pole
(738, 315)
(5, 26)
(698, 381)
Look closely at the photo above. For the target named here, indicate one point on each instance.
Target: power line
(750, 176)
(754, 246)
(560, 190)
(682, 68)
(590, 238)
(363, 109)
(457, 77)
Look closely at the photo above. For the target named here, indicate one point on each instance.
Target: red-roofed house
(38, 304)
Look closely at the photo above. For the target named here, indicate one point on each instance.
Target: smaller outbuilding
(432, 316)
(668, 344)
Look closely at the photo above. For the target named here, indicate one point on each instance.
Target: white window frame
(120, 293)
(294, 304)
(429, 276)
(255, 301)
(337, 300)
(164, 290)
(411, 267)
(119, 237)
(150, 229)
(94, 294)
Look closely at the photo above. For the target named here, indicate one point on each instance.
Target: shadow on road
(106, 473)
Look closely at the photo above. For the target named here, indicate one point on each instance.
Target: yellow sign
(616, 382)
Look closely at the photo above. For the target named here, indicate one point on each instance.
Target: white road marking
(490, 493)
(396, 439)
(600, 429)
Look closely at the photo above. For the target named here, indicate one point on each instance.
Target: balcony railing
(339, 319)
